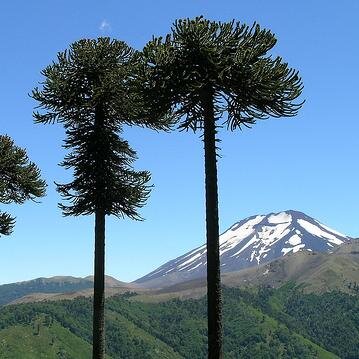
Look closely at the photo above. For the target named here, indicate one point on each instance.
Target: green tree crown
(89, 91)
(229, 59)
(19, 180)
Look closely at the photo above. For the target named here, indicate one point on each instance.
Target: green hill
(9, 292)
(42, 340)
(258, 323)
(56, 288)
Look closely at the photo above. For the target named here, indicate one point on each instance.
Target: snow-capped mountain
(250, 242)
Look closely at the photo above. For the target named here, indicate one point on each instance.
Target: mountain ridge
(48, 287)
(315, 272)
(249, 242)
(260, 238)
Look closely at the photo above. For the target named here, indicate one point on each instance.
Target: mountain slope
(315, 272)
(175, 329)
(51, 342)
(318, 272)
(250, 242)
(44, 288)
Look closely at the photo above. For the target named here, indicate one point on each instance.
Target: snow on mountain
(250, 242)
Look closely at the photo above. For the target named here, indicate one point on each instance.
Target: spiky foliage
(203, 71)
(89, 90)
(230, 58)
(103, 179)
(20, 180)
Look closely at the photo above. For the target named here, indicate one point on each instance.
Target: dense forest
(258, 323)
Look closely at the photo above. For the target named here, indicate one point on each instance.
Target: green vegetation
(10, 292)
(333, 319)
(19, 180)
(258, 323)
(42, 339)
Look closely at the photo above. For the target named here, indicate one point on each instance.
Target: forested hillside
(258, 323)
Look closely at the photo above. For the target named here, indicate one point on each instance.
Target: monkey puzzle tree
(196, 74)
(88, 90)
(19, 180)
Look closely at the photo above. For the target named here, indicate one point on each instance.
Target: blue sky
(307, 163)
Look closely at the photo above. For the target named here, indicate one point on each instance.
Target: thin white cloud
(105, 25)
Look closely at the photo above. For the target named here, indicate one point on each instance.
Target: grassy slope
(123, 330)
(22, 341)
(322, 353)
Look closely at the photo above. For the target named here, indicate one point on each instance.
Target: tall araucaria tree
(204, 70)
(19, 180)
(89, 91)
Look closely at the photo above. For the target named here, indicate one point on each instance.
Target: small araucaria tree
(88, 90)
(19, 180)
(200, 72)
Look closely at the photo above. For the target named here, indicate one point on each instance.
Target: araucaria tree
(88, 91)
(19, 180)
(205, 71)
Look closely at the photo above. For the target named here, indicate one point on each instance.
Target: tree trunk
(214, 293)
(98, 329)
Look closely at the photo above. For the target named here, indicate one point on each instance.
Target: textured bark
(214, 293)
(99, 288)
(98, 328)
